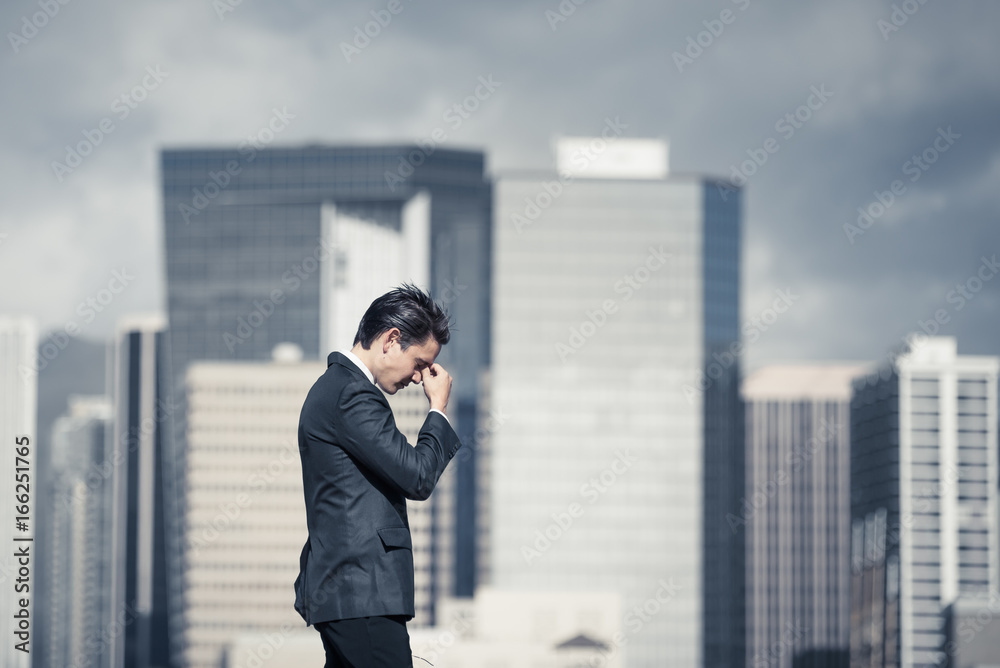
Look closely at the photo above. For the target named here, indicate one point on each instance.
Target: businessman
(355, 583)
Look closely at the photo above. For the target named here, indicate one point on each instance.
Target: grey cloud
(606, 59)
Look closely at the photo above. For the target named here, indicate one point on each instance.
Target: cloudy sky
(886, 82)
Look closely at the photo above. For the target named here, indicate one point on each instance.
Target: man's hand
(437, 385)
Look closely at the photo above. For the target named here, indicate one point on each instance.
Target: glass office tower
(614, 325)
(80, 570)
(246, 519)
(797, 514)
(923, 500)
(250, 263)
(138, 542)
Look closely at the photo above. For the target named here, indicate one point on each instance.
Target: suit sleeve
(366, 430)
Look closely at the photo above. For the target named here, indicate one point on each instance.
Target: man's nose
(416, 376)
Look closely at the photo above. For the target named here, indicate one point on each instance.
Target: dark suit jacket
(357, 472)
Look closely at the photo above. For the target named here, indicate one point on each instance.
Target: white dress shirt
(368, 374)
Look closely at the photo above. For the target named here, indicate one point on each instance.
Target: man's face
(402, 367)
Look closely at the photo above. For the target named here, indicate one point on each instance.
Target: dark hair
(409, 309)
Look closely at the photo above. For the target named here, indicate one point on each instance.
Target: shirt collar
(361, 365)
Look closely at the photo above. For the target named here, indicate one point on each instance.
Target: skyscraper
(80, 569)
(257, 244)
(796, 514)
(616, 291)
(267, 245)
(138, 538)
(18, 409)
(923, 499)
(245, 519)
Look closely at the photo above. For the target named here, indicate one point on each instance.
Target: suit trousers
(366, 642)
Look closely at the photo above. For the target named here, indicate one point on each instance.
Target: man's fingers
(432, 371)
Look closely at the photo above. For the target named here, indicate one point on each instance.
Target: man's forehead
(427, 351)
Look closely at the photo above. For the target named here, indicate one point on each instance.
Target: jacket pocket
(395, 537)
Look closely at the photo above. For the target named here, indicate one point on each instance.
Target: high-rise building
(797, 514)
(923, 499)
(500, 629)
(65, 366)
(267, 245)
(245, 520)
(972, 629)
(18, 414)
(508, 628)
(138, 539)
(616, 366)
(80, 567)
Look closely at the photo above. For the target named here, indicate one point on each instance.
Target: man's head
(401, 334)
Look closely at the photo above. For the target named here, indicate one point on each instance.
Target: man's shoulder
(334, 391)
(338, 361)
(341, 380)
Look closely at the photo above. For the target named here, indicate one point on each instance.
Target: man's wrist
(437, 410)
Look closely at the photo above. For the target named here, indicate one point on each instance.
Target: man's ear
(390, 336)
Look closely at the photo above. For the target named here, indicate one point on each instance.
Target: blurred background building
(525, 628)
(972, 632)
(138, 531)
(80, 568)
(923, 499)
(245, 519)
(67, 367)
(615, 289)
(292, 244)
(18, 411)
(615, 501)
(501, 629)
(797, 514)
(870, 163)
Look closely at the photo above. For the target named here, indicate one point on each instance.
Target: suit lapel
(337, 357)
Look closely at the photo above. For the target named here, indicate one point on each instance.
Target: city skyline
(872, 97)
(668, 236)
(796, 513)
(924, 494)
(619, 484)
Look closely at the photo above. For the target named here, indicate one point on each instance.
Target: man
(355, 582)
